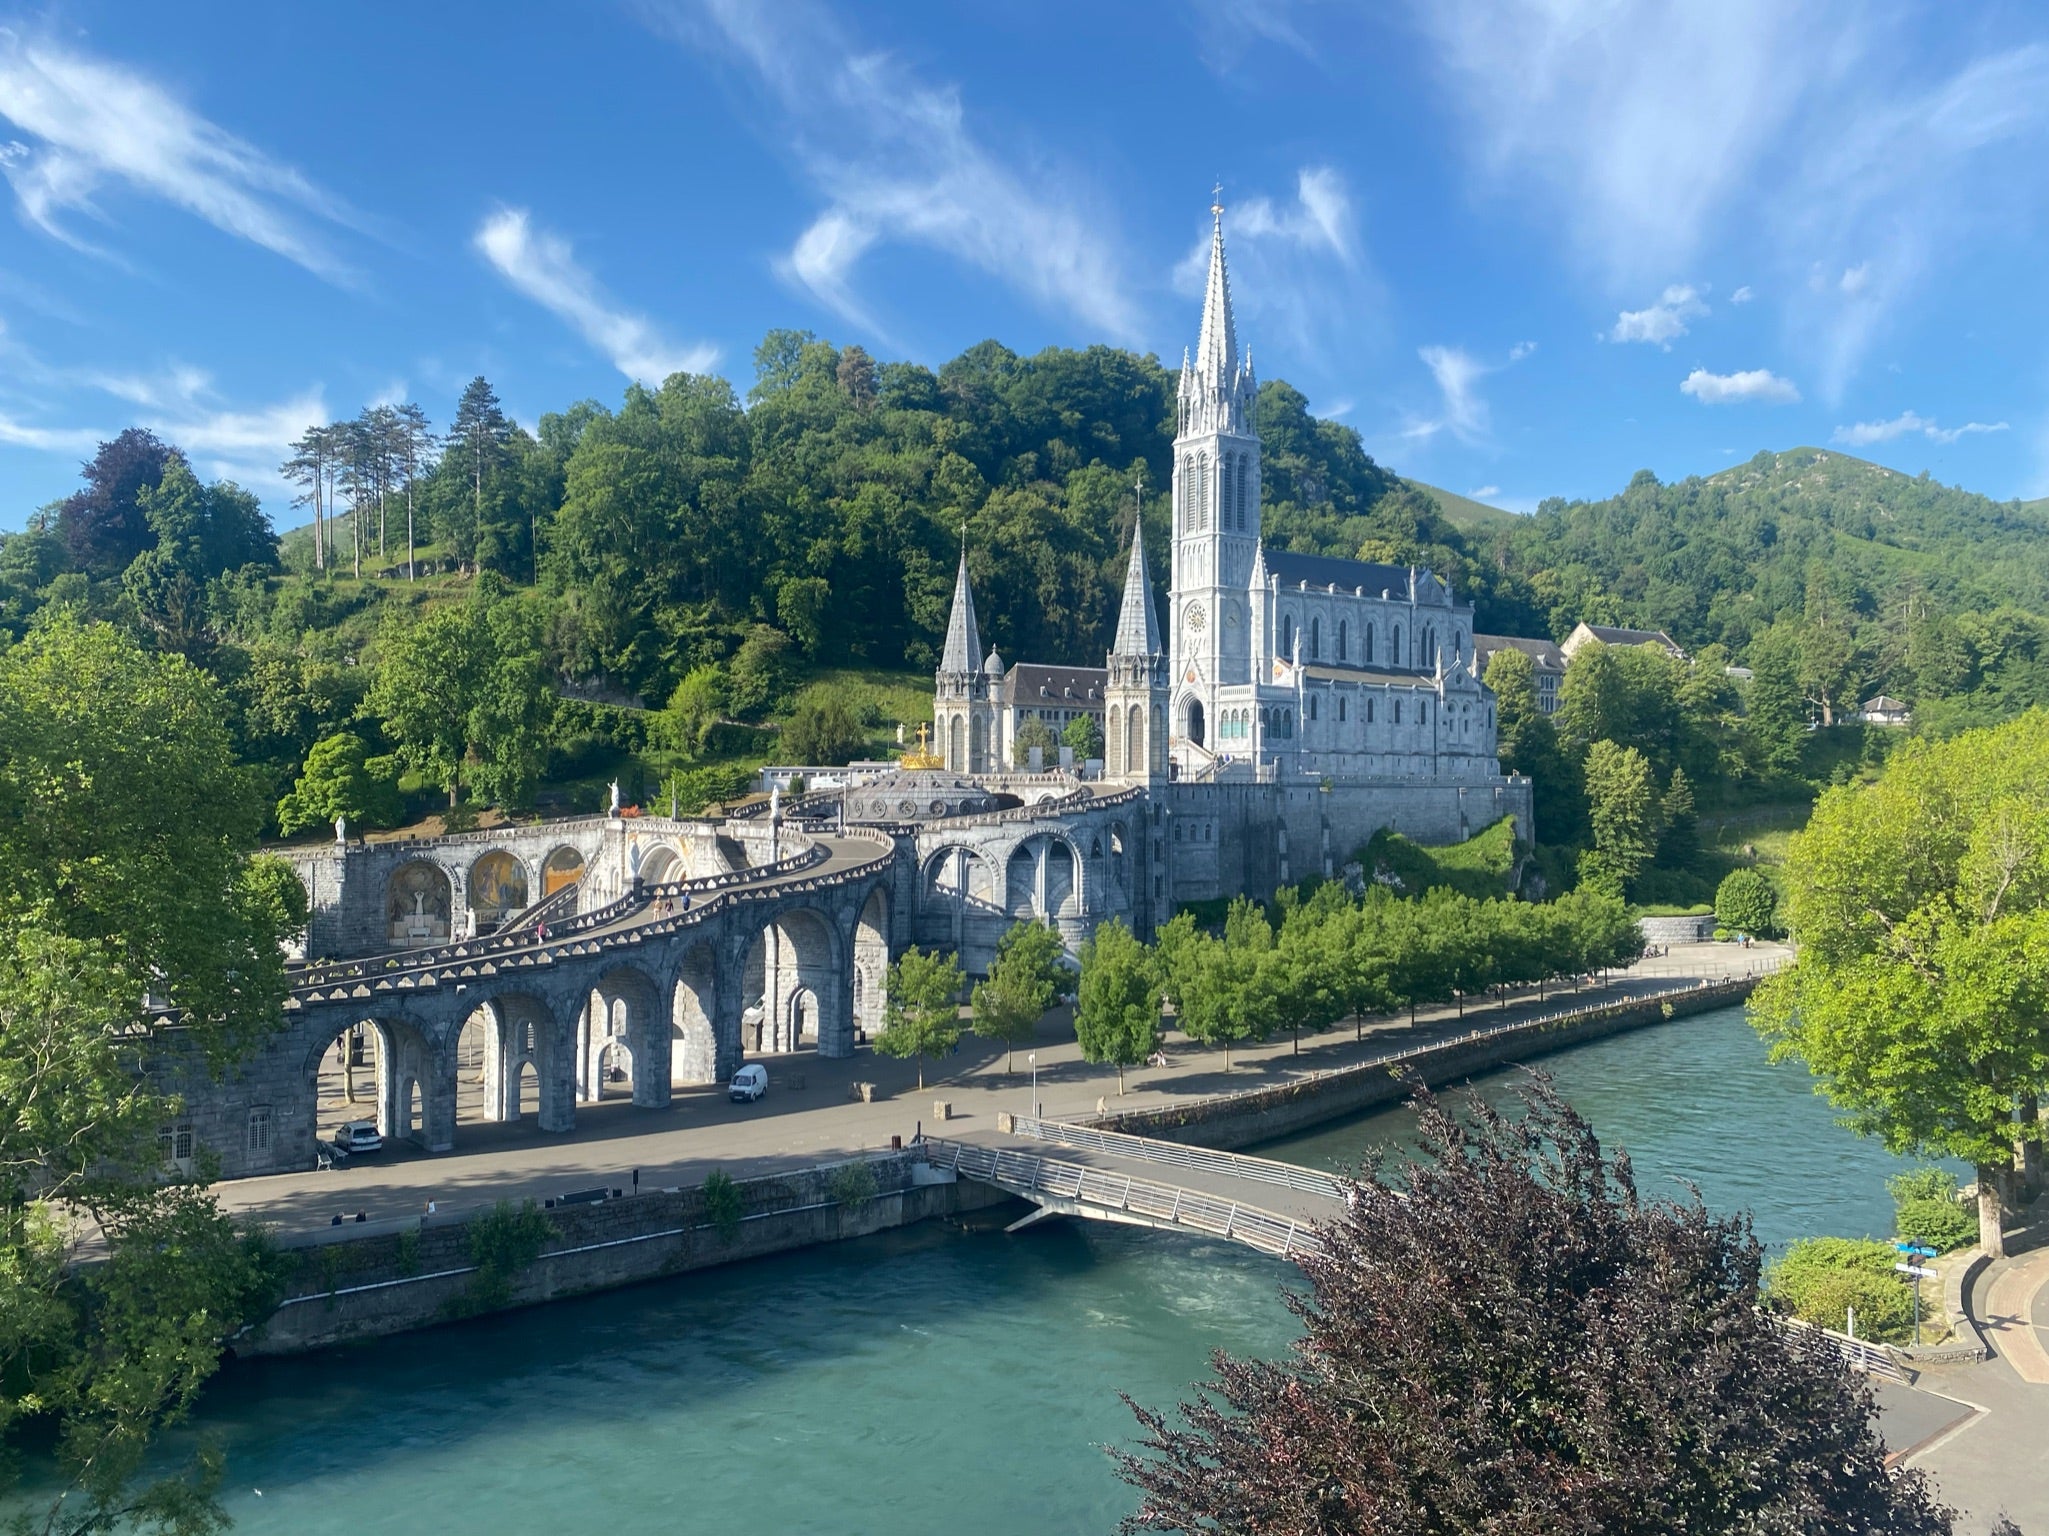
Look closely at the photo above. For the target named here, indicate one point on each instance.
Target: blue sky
(1525, 247)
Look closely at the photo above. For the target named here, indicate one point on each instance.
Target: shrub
(852, 1184)
(501, 1242)
(1820, 1278)
(723, 1203)
(1748, 902)
(1926, 1210)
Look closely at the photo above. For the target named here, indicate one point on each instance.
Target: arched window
(1312, 706)
(1266, 722)
(1458, 645)
(1226, 501)
(1369, 645)
(1369, 711)
(1288, 635)
(1396, 658)
(1244, 487)
(1201, 492)
(1288, 723)
(1188, 493)
(1316, 639)
(1344, 631)
(1422, 713)
(1341, 710)
(1397, 711)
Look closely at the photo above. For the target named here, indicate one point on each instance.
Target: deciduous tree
(1022, 984)
(1503, 1337)
(922, 1016)
(1920, 993)
(1117, 1007)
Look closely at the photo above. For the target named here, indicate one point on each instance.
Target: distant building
(1549, 658)
(1584, 635)
(1886, 710)
(1056, 695)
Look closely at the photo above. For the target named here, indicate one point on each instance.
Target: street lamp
(1032, 1057)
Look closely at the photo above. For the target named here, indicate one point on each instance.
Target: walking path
(809, 1117)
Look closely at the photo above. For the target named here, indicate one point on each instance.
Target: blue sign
(1914, 1248)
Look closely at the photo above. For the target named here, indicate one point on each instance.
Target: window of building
(1226, 500)
(1368, 658)
(175, 1142)
(1422, 713)
(1342, 629)
(1288, 635)
(1312, 706)
(1396, 658)
(1397, 711)
(1244, 487)
(1341, 710)
(1316, 639)
(259, 1129)
(1209, 832)
(1369, 711)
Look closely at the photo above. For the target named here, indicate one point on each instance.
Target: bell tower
(963, 696)
(1216, 518)
(1135, 695)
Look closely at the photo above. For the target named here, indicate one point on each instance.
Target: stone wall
(359, 1287)
(1233, 1121)
(1677, 930)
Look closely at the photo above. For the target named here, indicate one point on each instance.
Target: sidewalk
(797, 1127)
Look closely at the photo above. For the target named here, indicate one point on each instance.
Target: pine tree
(480, 432)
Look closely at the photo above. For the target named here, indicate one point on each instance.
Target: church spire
(963, 653)
(1216, 384)
(1138, 633)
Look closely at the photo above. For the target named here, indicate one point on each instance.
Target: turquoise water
(931, 1380)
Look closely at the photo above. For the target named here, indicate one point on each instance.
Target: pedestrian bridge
(1104, 1176)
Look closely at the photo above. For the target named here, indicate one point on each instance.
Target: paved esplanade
(797, 1126)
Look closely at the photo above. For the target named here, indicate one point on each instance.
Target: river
(934, 1380)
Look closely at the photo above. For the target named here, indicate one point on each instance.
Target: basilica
(1291, 704)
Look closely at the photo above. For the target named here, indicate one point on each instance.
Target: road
(810, 1115)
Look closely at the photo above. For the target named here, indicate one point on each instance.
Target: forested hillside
(478, 611)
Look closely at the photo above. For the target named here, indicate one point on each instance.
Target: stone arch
(620, 1037)
(693, 1031)
(498, 889)
(954, 874)
(1194, 726)
(1063, 879)
(530, 1038)
(802, 963)
(418, 903)
(562, 867)
(403, 1093)
(661, 865)
(1344, 639)
(871, 963)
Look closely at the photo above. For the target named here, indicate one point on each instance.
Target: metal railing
(1863, 1355)
(1260, 1170)
(1091, 1188)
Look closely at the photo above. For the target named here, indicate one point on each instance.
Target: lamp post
(1032, 1057)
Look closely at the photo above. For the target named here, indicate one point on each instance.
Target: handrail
(1263, 1170)
(561, 896)
(1028, 1175)
(1866, 1355)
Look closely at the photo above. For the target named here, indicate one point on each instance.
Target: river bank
(910, 1379)
(363, 1283)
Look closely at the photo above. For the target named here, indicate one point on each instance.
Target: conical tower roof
(1216, 383)
(963, 651)
(1138, 632)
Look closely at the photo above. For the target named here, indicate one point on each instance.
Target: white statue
(615, 797)
(341, 829)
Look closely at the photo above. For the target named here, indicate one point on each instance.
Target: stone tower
(963, 703)
(1135, 695)
(1211, 644)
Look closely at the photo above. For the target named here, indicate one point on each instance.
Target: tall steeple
(1217, 387)
(1138, 632)
(963, 653)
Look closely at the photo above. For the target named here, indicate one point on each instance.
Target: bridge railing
(1027, 1175)
(505, 943)
(1172, 1154)
(1863, 1355)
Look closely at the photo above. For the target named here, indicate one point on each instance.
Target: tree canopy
(1503, 1336)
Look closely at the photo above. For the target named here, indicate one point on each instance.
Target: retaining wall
(367, 1287)
(1231, 1121)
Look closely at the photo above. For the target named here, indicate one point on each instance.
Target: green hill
(1466, 514)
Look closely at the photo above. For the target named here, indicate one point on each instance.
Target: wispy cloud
(20, 434)
(88, 124)
(1817, 134)
(1483, 492)
(897, 161)
(1226, 28)
(1661, 322)
(1742, 295)
(1864, 434)
(1462, 411)
(1750, 386)
(543, 266)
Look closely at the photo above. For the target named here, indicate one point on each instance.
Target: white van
(749, 1083)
